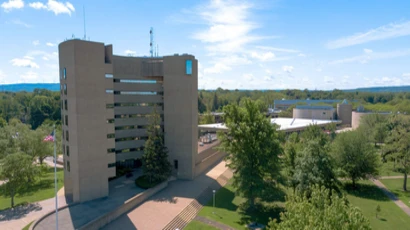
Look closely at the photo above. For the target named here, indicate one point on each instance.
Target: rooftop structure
(285, 124)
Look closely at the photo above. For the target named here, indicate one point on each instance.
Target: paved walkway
(389, 194)
(76, 216)
(21, 216)
(163, 207)
(213, 223)
(391, 177)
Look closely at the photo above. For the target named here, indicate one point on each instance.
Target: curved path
(389, 194)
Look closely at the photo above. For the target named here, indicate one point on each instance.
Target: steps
(190, 212)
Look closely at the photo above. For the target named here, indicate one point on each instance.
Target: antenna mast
(151, 44)
(85, 33)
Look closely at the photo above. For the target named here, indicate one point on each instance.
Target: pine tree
(156, 166)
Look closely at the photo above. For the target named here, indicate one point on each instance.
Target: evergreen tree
(156, 166)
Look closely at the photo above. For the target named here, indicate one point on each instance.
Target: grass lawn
(387, 169)
(227, 209)
(396, 187)
(367, 197)
(196, 225)
(27, 226)
(41, 189)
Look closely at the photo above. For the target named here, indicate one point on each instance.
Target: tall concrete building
(106, 104)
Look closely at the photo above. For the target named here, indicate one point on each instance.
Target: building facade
(314, 112)
(106, 104)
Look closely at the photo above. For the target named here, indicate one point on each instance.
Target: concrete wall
(317, 114)
(344, 113)
(130, 204)
(357, 116)
(181, 114)
(206, 153)
(87, 114)
(208, 162)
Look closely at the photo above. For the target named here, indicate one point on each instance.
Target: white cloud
(29, 76)
(46, 56)
(55, 6)
(268, 78)
(406, 75)
(28, 57)
(392, 30)
(24, 62)
(268, 56)
(383, 81)
(12, 4)
(36, 42)
(367, 51)
(373, 56)
(130, 52)
(301, 55)
(329, 80)
(287, 68)
(277, 49)
(319, 70)
(2, 75)
(50, 44)
(21, 23)
(248, 77)
(217, 68)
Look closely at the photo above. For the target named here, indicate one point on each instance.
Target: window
(110, 121)
(66, 120)
(68, 150)
(111, 135)
(188, 67)
(109, 91)
(68, 166)
(64, 73)
(176, 164)
(111, 165)
(110, 106)
(65, 89)
(65, 105)
(110, 150)
(66, 135)
(108, 75)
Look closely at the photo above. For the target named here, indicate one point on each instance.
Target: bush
(143, 182)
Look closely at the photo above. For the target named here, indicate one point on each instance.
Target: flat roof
(285, 124)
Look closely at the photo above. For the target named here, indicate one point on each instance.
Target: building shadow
(19, 211)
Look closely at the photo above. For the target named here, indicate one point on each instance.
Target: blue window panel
(188, 65)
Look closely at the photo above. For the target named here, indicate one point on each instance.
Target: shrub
(143, 182)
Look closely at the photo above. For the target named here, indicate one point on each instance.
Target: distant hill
(29, 87)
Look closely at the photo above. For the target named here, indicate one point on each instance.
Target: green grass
(41, 189)
(396, 187)
(367, 196)
(228, 209)
(196, 225)
(27, 226)
(387, 169)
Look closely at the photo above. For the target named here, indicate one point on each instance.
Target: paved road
(389, 194)
(163, 207)
(392, 177)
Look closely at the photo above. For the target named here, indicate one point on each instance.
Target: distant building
(285, 104)
(314, 112)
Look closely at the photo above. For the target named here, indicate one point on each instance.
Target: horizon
(246, 45)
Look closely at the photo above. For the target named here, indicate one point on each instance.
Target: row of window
(63, 73)
(137, 116)
(112, 150)
(64, 89)
(66, 136)
(111, 91)
(131, 139)
(66, 150)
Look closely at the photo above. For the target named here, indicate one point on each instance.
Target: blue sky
(239, 44)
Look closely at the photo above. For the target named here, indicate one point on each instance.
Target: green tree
(320, 211)
(215, 104)
(252, 149)
(2, 122)
(355, 156)
(207, 118)
(314, 166)
(16, 169)
(289, 158)
(156, 166)
(398, 143)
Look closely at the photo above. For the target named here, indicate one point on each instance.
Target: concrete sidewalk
(163, 207)
(389, 194)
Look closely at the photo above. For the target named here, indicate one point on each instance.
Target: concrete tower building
(344, 113)
(106, 102)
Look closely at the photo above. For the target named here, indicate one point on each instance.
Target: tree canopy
(252, 149)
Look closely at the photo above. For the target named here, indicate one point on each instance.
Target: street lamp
(213, 191)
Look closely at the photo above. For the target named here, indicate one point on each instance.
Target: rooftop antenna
(151, 43)
(85, 33)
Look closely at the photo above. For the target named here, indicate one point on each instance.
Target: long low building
(285, 124)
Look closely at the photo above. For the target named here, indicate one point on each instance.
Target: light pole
(213, 191)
